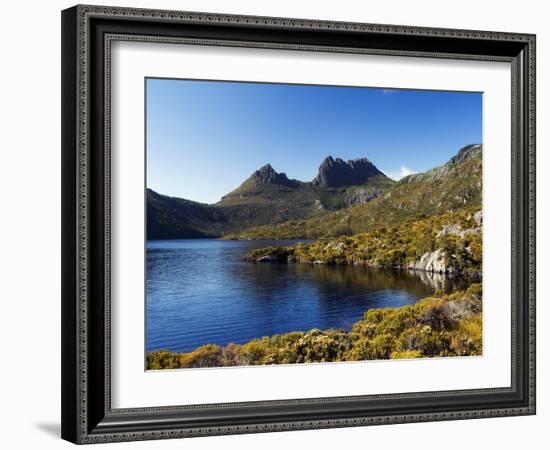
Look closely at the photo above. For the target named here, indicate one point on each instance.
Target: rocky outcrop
(447, 244)
(335, 173)
(360, 196)
(457, 230)
(478, 217)
(433, 262)
(466, 153)
(449, 168)
(270, 255)
(318, 204)
(267, 175)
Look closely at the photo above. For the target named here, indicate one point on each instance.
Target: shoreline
(450, 244)
(447, 273)
(436, 326)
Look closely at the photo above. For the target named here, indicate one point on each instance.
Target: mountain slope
(337, 185)
(177, 218)
(265, 198)
(451, 186)
(260, 179)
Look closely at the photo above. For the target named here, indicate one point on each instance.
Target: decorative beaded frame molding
(87, 416)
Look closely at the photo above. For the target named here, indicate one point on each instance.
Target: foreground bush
(437, 326)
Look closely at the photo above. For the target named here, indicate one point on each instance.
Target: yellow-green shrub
(398, 246)
(441, 325)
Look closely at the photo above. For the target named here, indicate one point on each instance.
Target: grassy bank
(437, 326)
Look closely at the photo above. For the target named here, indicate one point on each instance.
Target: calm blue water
(201, 291)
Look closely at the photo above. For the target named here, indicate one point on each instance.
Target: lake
(201, 291)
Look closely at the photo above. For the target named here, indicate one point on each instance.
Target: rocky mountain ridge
(267, 175)
(454, 185)
(344, 198)
(335, 173)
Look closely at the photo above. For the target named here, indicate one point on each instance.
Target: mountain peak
(465, 153)
(267, 175)
(339, 173)
(363, 160)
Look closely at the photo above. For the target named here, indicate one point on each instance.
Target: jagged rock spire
(267, 175)
(338, 173)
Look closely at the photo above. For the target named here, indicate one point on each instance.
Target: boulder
(434, 262)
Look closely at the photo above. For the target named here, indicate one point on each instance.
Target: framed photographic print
(278, 224)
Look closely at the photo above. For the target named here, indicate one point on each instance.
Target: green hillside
(456, 184)
(265, 198)
(177, 218)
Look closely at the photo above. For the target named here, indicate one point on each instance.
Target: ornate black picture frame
(87, 33)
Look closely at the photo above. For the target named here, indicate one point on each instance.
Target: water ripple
(201, 291)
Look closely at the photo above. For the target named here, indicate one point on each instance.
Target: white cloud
(401, 173)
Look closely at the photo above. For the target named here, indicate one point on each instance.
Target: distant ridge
(449, 187)
(345, 197)
(178, 218)
(267, 197)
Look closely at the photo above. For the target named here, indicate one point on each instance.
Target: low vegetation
(449, 242)
(437, 326)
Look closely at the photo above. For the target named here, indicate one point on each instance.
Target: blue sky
(204, 138)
